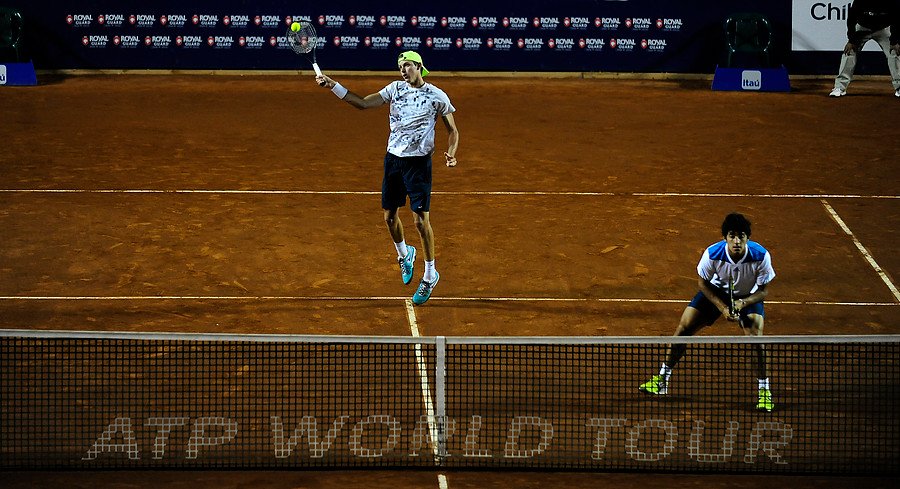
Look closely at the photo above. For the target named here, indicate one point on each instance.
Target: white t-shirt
(751, 271)
(413, 115)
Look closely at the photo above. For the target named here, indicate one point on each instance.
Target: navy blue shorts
(709, 313)
(409, 175)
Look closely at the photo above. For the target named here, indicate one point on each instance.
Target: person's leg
(848, 65)
(752, 321)
(883, 38)
(699, 314)
(395, 227)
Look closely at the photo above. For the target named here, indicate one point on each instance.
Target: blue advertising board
(649, 36)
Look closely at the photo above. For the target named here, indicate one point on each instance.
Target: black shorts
(404, 176)
(709, 313)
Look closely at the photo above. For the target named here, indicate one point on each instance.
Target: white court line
(423, 375)
(512, 193)
(862, 249)
(26, 298)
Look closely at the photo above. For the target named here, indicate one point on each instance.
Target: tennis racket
(304, 42)
(731, 309)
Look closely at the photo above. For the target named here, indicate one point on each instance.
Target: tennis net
(166, 400)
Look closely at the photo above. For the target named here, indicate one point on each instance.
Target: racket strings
(303, 41)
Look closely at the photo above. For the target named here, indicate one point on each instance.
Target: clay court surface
(579, 208)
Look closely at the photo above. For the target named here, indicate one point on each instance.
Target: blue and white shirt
(413, 115)
(748, 273)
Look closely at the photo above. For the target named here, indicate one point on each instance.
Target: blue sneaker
(407, 264)
(424, 291)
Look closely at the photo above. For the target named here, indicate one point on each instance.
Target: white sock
(430, 274)
(764, 383)
(401, 249)
(665, 371)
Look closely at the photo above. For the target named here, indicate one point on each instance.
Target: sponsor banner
(236, 21)
(189, 42)
(423, 21)
(439, 43)
(499, 43)
(639, 23)
(653, 45)
(515, 23)
(576, 23)
(205, 20)
(454, 23)
(126, 41)
(607, 23)
(392, 21)
(361, 21)
(142, 20)
(622, 44)
(561, 43)
(669, 25)
(330, 21)
(818, 25)
(79, 20)
(111, 20)
(408, 43)
(173, 21)
(158, 42)
(592, 44)
(267, 21)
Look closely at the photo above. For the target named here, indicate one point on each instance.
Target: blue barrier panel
(752, 79)
(17, 74)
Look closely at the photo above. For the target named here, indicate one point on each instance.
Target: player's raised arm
(367, 102)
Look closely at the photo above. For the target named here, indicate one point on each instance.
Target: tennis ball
(295, 27)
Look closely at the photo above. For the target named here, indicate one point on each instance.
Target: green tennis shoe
(765, 401)
(656, 386)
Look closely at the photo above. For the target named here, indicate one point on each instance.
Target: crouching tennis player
(415, 107)
(734, 278)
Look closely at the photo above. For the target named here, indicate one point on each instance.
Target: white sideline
(862, 249)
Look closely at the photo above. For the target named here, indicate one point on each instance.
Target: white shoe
(837, 92)
(897, 93)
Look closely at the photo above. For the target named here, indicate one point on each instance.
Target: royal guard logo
(101, 19)
(382, 20)
(267, 21)
(577, 23)
(173, 20)
(442, 43)
(97, 41)
(536, 22)
(592, 44)
(143, 20)
(128, 41)
(273, 41)
(639, 23)
(489, 43)
(398, 42)
(195, 19)
(515, 23)
(242, 41)
(659, 23)
(411, 42)
(331, 21)
(534, 44)
(79, 20)
(475, 22)
(112, 20)
(179, 41)
(520, 43)
(598, 22)
(671, 25)
(238, 21)
(208, 20)
(610, 23)
(471, 43)
(85, 41)
(500, 43)
(290, 19)
(362, 21)
(622, 44)
(148, 41)
(116, 40)
(159, 42)
(190, 42)
(547, 23)
(226, 20)
(423, 21)
(654, 45)
(381, 42)
(429, 42)
(367, 41)
(613, 43)
(254, 42)
(563, 43)
(132, 19)
(455, 23)
(459, 42)
(486, 23)
(220, 42)
(551, 43)
(346, 42)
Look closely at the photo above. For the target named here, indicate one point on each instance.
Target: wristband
(339, 90)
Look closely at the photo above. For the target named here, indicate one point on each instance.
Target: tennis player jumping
(415, 107)
(734, 278)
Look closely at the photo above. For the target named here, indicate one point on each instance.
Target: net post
(440, 394)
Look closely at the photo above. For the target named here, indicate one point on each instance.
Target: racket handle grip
(316, 69)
